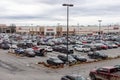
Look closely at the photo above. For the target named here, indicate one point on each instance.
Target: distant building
(22, 29)
(7, 29)
(62, 30)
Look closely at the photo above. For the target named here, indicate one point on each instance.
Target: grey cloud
(80, 9)
(98, 11)
(25, 17)
(61, 1)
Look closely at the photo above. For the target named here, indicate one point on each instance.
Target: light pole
(58, 31)
(67, 5)
(108, 28)
(78, 28)
(99, 27)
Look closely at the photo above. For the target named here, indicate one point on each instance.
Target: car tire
(92, 76)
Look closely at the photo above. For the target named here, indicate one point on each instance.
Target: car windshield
(56, 59)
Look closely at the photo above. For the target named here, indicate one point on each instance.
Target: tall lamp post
(78, 28)
(99, 27)
(67, 5)
(109, 28)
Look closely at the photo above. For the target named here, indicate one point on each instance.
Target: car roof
(109, 67)
(74, 75)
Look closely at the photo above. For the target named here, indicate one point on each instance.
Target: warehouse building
(62, 30)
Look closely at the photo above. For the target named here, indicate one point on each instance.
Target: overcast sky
(51, 12)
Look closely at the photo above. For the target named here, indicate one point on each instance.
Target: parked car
(91, 46)
(63, 49)
(48, 49)
(105, 73)
(40, 52)
(43, 43)
(108, 45)
(117, 43)
(22, 44)
(79, 58)
(97, 55)
(13, 46)
(19, 51)
(5, 46)
(29, 52)
(114, 45)
(100, 46)
(73, 77)
(36, 48)
(71, 60)
(117, 66)
(51, 44)
(82, 48)
(55, 61)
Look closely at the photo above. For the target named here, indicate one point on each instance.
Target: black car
(71, 60)
(5, 46)
(55, 61)
(73, 77)
(79, 58)
(63, 49)
(97, 55)
(41, 52)
(117, 66)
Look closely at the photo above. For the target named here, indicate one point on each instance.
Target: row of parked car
(31, 46)
(101, 45)
(62, 59)
(33, 51)
(73, 58)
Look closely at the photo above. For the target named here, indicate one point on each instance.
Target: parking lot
(26, 58)
(17, 68)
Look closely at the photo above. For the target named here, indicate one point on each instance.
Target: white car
(114, 45)
(48, 49)
(82, 48)
(13, 46)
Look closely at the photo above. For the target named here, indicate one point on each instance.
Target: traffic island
(77, 63)
(51, 66)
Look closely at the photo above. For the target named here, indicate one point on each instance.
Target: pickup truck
(105, 73)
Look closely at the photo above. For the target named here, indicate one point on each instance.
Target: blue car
(19, 51)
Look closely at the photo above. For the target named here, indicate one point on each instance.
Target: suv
(97, 55)
(105, 73)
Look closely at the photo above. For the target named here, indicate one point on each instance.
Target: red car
(36, 48)
(105, 73)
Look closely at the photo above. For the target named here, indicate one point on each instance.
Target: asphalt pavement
(24, 68)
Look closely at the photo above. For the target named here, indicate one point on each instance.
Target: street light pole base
(67, 63)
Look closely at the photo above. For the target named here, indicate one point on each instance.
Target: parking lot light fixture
(67, 5)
